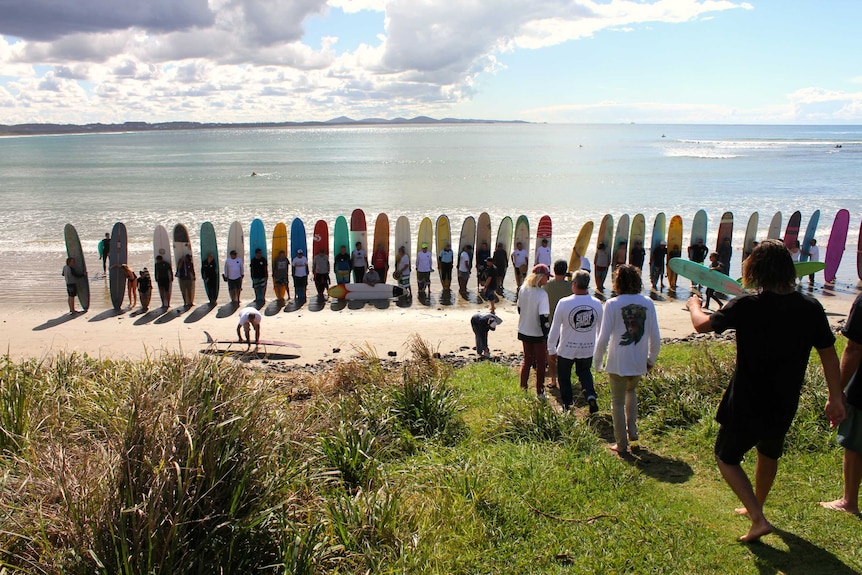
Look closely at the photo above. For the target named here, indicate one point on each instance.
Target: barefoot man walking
(776, 327)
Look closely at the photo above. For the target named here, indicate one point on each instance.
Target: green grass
(197, 466)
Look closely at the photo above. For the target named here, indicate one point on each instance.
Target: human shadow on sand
(800, 557)
(227, 310)
(200, 313)
(108, 313)
(59, 320)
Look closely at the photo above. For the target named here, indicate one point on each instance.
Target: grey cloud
(52, 19)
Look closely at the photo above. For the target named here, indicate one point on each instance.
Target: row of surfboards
(438, 234)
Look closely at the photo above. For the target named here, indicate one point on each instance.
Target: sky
(557, 61)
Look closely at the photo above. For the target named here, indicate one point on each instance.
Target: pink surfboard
(836, 245)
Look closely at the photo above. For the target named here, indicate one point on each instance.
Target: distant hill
(43, 129)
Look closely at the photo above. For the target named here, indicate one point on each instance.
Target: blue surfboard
(298, 240)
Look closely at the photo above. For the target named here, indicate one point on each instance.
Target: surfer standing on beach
(775, 331)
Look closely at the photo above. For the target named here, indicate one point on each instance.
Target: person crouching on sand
(776, 327)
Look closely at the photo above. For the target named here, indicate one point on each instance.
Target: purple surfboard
(835, 247)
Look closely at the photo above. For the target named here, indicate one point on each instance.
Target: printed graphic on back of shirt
(634, 318)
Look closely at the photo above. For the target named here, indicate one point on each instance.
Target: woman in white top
(534, 322)
(630, 335)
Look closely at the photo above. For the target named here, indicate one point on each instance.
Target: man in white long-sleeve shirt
(572, 340)
(631, 337)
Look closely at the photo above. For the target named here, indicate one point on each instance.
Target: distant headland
(48, 129)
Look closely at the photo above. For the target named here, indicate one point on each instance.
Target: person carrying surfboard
(776, 327)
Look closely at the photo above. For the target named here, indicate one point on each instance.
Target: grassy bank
(198, 466)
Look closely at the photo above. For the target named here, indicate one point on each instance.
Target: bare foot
(756, 532)
(840, 505)
(741, 511)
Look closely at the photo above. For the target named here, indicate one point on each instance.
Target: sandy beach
(44, 329)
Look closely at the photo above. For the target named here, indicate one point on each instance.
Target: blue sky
(710, 61)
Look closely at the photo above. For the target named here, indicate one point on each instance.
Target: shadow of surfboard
(108, 313)
(200, 313)
(58, 321)
(149, 316)
(227, 310)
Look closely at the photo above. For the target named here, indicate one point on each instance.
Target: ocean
(574, 173)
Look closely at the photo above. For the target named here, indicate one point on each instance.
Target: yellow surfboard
(579, 249)
(674, 247)
(279, 244)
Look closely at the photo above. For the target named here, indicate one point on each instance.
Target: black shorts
(731, 446)
(72, 290)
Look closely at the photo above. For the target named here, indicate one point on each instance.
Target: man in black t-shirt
(775, 331)
(850, 430)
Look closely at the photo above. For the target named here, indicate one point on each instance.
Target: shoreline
(334, 331)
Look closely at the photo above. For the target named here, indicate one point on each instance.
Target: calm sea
(574, 173)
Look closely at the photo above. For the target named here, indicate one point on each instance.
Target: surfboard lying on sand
(73, 250)
(365, 292)
(274, 342)
(706, 277)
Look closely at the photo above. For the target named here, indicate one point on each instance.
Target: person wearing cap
(248, 317)
(424, 266)
(371, 278)
(445, 263)
(534, 323)
(145, 288)
(186, 277)
(209, 275)
(572, 340)
(300, 275)
(656, 265)
(164, 276)
(359, 262)
(259, 274)
(543, 253)
(489, 288)
(630, 336)
(482, 324)
(280, 273)
(233, 274)
(482, 254)
(520, 263)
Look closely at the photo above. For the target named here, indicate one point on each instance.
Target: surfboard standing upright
(402, 240)
(210, 247)
(834, 249)
(299, 242)
(182, 248)
(320, 245)
(504, 240)
(467, 242)
(358, 235)
(443, 238)
(73, 250)
(380, 250)
(257, 241)
(579, 249)
(750, 235)
(604, 245)
(279, 276)
(620, 251)
(117, 257)
(674, 248)
(162, 247)
(236, 243)
(341, 245)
